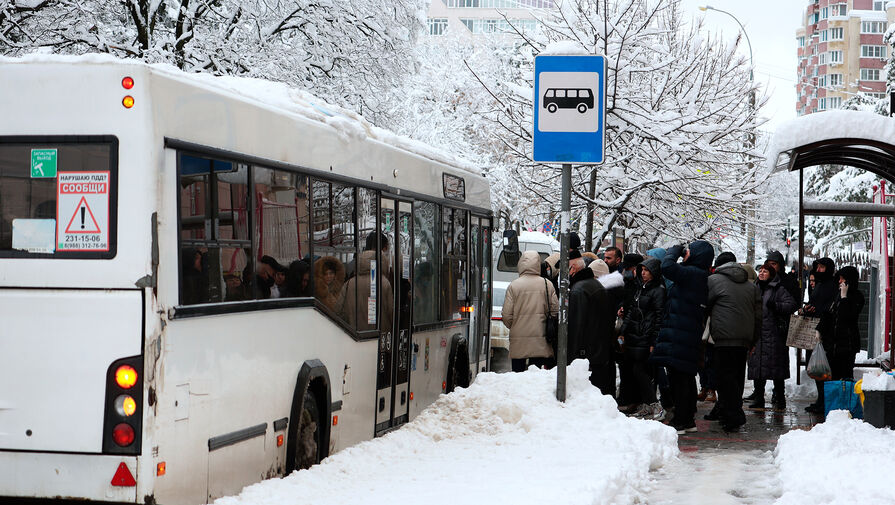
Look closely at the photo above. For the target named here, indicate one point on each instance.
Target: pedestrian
(526, 304)
(677, 346)
(769, 359)
(734, 307)
(616, 290)
(820, 302)
(643, 318)
(591, 324)
(613, 257)
(838, 327)
(789, 281)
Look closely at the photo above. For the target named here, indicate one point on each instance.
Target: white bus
(205, 282)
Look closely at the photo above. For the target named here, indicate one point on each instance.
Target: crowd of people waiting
(662, 322)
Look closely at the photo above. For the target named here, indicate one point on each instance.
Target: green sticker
(43, 163)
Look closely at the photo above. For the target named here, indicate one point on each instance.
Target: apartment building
(483, 17)
(841, 52)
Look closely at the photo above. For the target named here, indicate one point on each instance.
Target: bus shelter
(860, 139)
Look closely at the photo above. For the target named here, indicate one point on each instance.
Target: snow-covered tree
(679, 124)
(351, 53)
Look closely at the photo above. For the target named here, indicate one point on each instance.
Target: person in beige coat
(528, 301)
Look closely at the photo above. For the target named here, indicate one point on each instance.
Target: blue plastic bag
(840, 395)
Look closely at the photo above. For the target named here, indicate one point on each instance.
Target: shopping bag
(840, 395)
(802, 332)
(818, 365)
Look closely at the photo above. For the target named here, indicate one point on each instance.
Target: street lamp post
(750, 233)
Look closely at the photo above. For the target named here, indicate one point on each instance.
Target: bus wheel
(306, 448)
(582, 108)
(458, 365)
(551, 107)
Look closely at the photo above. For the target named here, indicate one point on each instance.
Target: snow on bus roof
(829, 125)
(348, 124)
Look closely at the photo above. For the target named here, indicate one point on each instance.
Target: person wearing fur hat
(329, 274)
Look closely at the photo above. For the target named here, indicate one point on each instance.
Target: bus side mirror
(511, 252)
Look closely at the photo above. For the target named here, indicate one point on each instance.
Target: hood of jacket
(777, 256)
(828, 273)
(331, 263)
(529, 263)
(734, 272)
(850, 274)
(657, 253)
(653, 264)
(363, 265)
(701, 254)
(613, 280)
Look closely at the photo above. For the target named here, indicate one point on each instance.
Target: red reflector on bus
(335, 420)
(161, 469)
(279, 440)
(123, 434)
(411, 396)
(125, 376)
(443, 385)
(127, 83)
(123, 477)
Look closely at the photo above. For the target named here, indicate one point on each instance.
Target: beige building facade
(483, 17)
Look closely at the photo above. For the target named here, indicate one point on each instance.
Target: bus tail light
(123, 419)
(127, 82)
(127, 101)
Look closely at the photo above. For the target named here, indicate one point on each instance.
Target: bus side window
(453, 266)
(367, 283)
(426, 261)
(282, 234)
(335, 247)
(215, 247)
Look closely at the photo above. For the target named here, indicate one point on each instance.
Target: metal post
(562, 346)
(801, 261)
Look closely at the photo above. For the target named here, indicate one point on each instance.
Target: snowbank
(841, 461)
(504, 440)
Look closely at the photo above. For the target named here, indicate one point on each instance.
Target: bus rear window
(57, 198)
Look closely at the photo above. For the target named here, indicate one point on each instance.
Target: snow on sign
(82, 211)
(569, 110)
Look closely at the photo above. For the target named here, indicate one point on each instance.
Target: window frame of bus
(447, 258)
(47, 140)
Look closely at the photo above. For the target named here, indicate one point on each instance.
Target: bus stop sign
(570, 109)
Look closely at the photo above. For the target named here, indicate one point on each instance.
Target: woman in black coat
(643, 317)
(770, 357)
(839, 326)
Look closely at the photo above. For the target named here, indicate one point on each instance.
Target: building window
(480, 26)
(834, 102)
(825, 13)
(499, 4)
(879, 5)
(824, 35)
(835, 56)
(873, 27)
(839, 10)
(822, 59)
(878, 96)
(801, 41)
(837, 33)
(870, 74)
(835, 80)
(437, 26)
(873, 51)
(822, 81)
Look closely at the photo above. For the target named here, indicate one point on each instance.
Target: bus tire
(551, 107)
(582, 108)
(309, 427)
(458, 365)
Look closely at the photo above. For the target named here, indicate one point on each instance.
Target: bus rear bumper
(75, 476)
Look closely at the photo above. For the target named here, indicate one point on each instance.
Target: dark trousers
(779, 387)
(636, 376)
(707, 374)
(603, 377)
(520, 365)
(683, 389)
(730, 371)
(666, 398)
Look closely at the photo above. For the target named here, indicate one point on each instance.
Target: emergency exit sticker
(82, 211)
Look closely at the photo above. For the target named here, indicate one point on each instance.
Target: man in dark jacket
(734, 306)
(677, 347)
(591, 324)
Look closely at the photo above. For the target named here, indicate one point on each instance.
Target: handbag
(551, 323)
(840, 395)
(802, 334)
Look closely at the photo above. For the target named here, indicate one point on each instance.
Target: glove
(843, 290)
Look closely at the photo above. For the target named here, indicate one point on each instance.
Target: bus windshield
(39, 182)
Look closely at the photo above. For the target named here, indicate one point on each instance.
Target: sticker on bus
(82, 211)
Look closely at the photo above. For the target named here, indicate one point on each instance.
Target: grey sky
(771, 26)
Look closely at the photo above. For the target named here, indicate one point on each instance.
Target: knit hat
(777, 257)
(599, 267)
(574, 241)
(725, 257)
(631, 260)
(574, 253)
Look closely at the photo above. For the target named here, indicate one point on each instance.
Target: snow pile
(564, 47)
(876, 380)
(504, 440)
(841, 461)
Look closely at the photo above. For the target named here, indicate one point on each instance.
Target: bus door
(393, 374)
(480, 284)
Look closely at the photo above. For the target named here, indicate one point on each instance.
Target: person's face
(646, 275)
(764, 274)
(305, 279)
(265, 271)
(197, 262)
(775, 265)
(842, 281)
(329, 276)
(612, 259)
(279, 278)
(811, 281)
(575, 267)
(821, 268)
(686, 254)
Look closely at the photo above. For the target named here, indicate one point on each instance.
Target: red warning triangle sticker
(82, 220)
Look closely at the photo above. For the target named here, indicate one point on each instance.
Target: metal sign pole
(562, 346)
